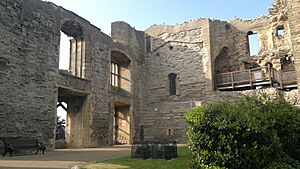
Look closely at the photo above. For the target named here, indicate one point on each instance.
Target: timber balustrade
(252, 78)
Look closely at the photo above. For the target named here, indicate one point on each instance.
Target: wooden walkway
(254, 78)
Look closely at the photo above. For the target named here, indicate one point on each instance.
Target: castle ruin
(135, 84)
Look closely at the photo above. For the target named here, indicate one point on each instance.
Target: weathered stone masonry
(31, 83)
(198, 50)
(103, 111)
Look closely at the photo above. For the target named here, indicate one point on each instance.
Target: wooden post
(216, 83)
(232, 83)
(250, 78)
(281, 79)
(270, 75)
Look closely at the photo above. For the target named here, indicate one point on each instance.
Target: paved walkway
(64, 158)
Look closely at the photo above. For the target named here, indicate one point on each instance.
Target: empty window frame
(148, 44)
(120, 72)
(115, 74)
(172, 83)
(280, 31)
(72, 49)
(253, 43)
(64, 53)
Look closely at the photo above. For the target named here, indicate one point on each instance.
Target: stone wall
(29, 46)
(294, 23)
(133, 45)
(31, 83)
(183, 50)
(272, 47)
(196, 51)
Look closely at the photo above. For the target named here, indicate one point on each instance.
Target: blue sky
(141, 14)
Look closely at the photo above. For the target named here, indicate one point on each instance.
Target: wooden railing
(256, 77)
(288, 79)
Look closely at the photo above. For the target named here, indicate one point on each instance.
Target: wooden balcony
(255, 78)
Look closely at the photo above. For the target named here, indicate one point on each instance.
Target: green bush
(287, 125)
(249, 133)
(284, 162)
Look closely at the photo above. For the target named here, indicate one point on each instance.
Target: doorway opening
(72, 128)
(60, 134)
(122, 125)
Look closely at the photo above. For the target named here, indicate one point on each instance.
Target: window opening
(148, 44)
(120, 71)
(172, 83)
(64, 51)
(115, 74)
(280, 31)
(72, 49)
(253, 42)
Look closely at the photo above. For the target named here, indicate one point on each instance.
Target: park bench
(22, 146)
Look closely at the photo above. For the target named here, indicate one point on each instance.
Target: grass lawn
(182, 162)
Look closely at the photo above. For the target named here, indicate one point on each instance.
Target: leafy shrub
(287, 125)
(284, 162)
(249, 133)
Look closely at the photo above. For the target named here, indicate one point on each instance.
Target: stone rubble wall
(273, 48)
(195, 51)
(294, 22)
(183, 50)
(31, 82)
(28, 60)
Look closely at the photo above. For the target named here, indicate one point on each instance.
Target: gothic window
(172, 83)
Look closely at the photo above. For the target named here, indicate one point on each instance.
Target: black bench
(20, 145)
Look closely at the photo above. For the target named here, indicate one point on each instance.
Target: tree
(60, 128)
